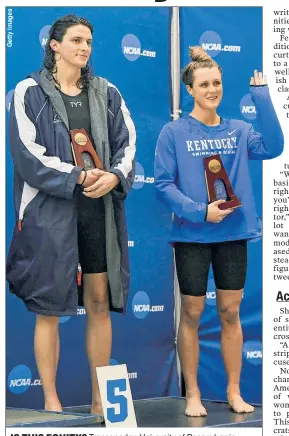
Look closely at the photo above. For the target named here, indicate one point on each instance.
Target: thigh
(91, 236)
(229, 261)
(192, 264)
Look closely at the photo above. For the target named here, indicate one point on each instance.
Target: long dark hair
(57, 32)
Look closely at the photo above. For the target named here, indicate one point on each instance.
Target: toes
(242, 408)
(196, 414)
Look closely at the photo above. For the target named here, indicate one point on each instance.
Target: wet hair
(200, 59)
(57, 32)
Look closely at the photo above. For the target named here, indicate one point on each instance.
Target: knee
(229, 314)
(191, 315)
(97, 303)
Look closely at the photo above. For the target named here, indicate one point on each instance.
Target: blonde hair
(200, 59)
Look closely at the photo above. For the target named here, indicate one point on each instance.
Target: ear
(190, 90)
(54, 45)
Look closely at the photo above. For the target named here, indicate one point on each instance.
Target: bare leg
(57, 352)
(98, 330)
(188, 349)
(46, 349)
(228, 303)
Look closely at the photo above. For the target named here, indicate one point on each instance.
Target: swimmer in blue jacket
(202, 233)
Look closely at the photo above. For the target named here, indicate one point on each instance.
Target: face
(75, 47)
(207, 87)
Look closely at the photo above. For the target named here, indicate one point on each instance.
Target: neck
(205, 116)
(67, 75)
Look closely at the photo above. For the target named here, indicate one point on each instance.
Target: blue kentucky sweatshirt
(180, 177)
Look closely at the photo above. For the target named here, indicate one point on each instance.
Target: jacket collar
(48, 87)
(97, 96)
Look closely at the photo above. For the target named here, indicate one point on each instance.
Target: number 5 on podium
(115, 398)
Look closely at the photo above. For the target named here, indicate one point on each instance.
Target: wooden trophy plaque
(214, 170)
(83, 151)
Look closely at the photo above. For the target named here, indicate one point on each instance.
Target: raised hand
(258, 79)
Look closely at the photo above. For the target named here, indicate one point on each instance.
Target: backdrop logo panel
(212, 43)
(141, 305)
(64, 319)
(252, 351)
(20, 379)
(247, 107)
(43, 35)
(140, 179)
(131, 48)
(131, 375)
(9, 97)
(80, 311)
(211, 293)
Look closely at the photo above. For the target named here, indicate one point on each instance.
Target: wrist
(82, 177)
(206, 213)
(116, 178)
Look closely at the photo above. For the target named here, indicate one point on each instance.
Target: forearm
(271, 142)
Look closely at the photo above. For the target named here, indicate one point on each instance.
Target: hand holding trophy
(215, 173)
(215, 214)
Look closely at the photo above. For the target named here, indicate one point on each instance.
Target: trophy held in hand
(83, 151)
(217, 180)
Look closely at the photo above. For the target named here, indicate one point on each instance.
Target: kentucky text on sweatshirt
(180, 177)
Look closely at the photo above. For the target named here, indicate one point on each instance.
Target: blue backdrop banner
(233, 37)
(131, 49)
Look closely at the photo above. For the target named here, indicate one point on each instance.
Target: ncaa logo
(211, 293)
(141, 305)
(113, 362)
(9, 97)
(139, 178)
(131, 47)
(252, 351)
(64, 319)
(247, 107)
(19, 379)
(211, 42)
(44, 35)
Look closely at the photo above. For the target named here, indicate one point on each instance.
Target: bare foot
(194, 406)
(53, 406)
(238, 405)
(96, 409)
